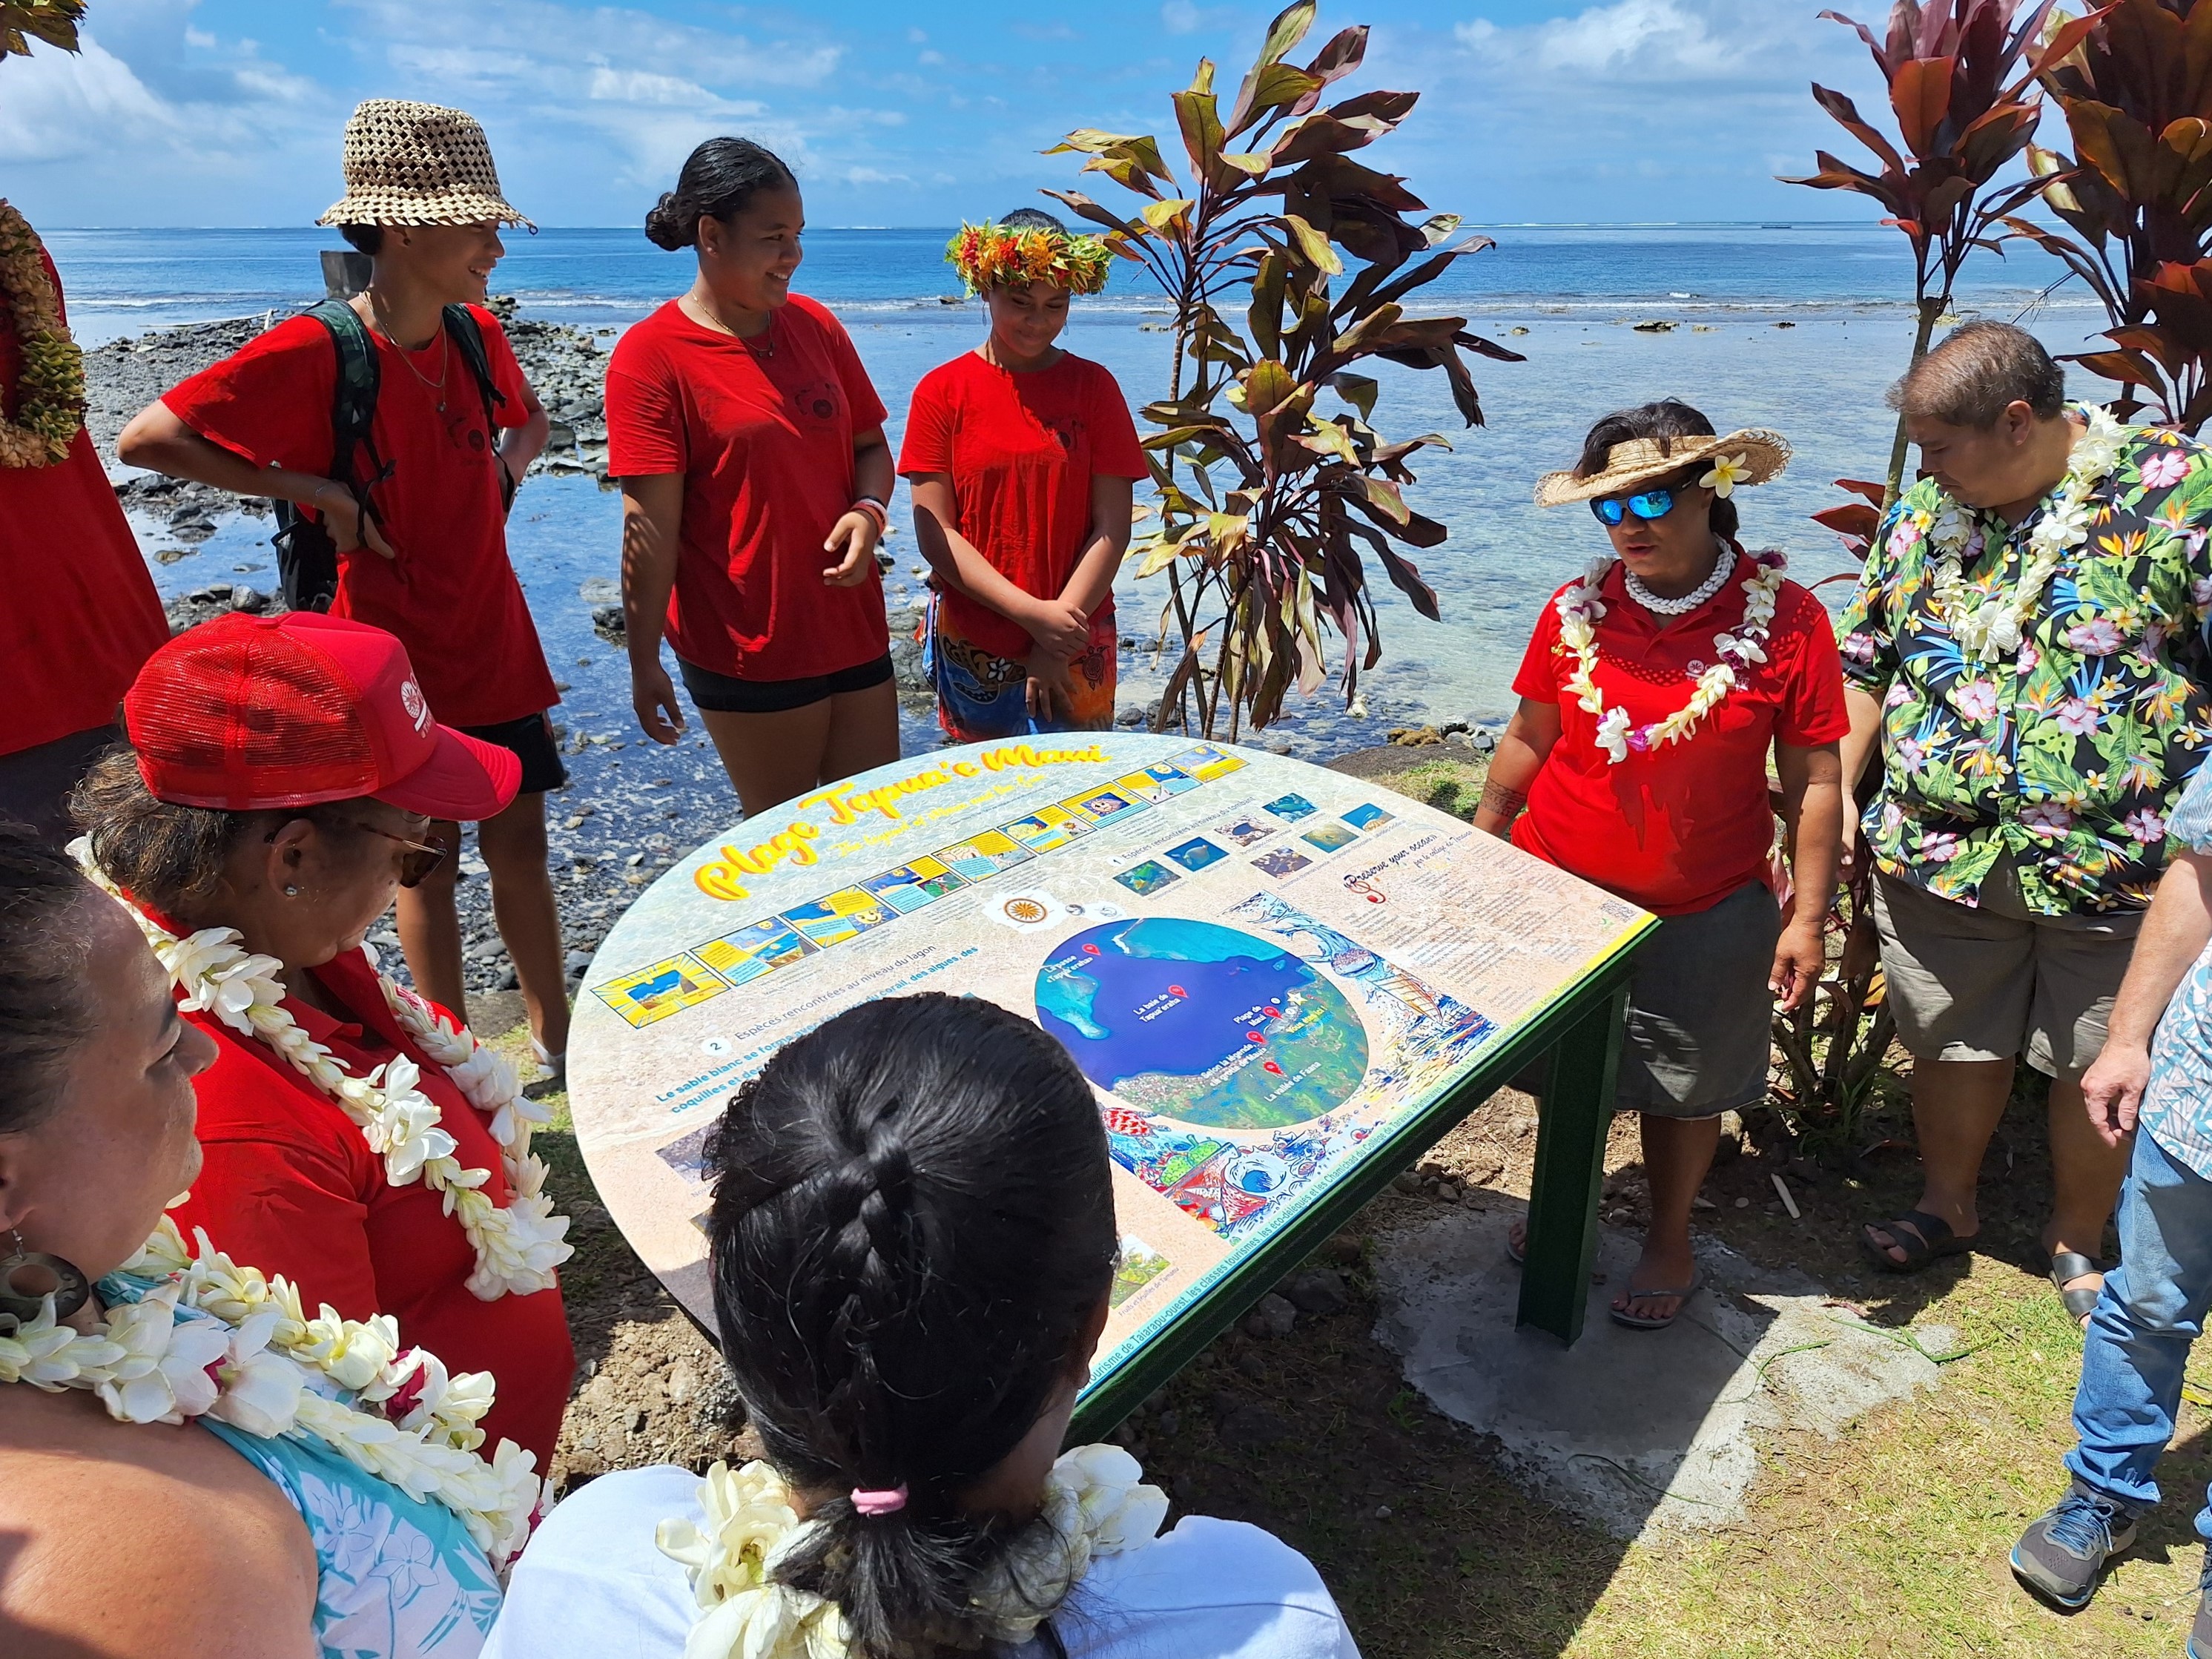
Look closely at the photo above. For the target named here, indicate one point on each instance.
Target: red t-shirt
(1679, 829)
(450, 595)
(1022, 450)
(764, 441)
(80, 615)
(290, 1186)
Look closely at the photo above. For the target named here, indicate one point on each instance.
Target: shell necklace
(517, 1247)
(1580, 609)
(1992, 625)
(1723, 566)
(213, 1339)
(1095, 1503)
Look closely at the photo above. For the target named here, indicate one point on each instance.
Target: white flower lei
(1580, 609)
(517, 1247)
(1095, 1503)
(1993, 626)
(217, 1339)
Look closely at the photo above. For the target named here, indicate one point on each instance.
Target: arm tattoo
(1506, 803)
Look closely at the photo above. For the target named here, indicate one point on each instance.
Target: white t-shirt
(593, 1585)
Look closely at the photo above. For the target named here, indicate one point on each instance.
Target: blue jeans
(2152, 1309)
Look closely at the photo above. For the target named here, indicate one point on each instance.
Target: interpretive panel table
(1283, 983)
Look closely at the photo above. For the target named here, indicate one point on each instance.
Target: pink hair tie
(879, 1503)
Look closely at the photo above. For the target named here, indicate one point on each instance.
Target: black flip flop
(1935, 1240)
(2082, 1302)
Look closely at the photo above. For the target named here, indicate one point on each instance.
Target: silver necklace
(1723, 568)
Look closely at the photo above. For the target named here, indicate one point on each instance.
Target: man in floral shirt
(2027, 646)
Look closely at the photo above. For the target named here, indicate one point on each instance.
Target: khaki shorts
(1992, 980)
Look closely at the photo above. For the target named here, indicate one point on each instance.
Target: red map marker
(1270, 1066)
(1177, 990)
(1272, 1013)
(1090, 949)
(1254, 1036)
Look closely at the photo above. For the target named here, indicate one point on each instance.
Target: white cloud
(1180, 17)
(932, 57)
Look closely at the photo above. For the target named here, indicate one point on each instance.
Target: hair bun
(668, 225)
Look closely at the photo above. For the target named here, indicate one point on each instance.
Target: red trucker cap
(247, 713)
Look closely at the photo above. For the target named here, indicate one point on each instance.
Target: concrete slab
(1633, 1429)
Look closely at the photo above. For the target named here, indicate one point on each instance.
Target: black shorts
(531, 738)
(718, 694)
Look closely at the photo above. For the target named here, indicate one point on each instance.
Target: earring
(291, 892)
(70, 1292)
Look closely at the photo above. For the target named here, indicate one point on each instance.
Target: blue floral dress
(397, 1578)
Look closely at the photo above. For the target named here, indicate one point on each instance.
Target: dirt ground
(1886, 1543)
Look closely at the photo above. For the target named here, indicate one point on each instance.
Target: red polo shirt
(1678, 829)
(80, 615)
(291, 1188)
(763, 434)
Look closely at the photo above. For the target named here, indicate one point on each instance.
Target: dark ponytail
(1663, 421)
(1029, 218)
(721, 176)
(912, 1219)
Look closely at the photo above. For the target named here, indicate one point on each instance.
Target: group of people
(2019, 708)
(2011, 731)
(279, 1275)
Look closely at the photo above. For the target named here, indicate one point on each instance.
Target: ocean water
(1797, 328)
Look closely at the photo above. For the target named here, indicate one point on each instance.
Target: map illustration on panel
(1205, 1024)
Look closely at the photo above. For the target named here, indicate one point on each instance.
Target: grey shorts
(1993, 980)
(1700, 1018)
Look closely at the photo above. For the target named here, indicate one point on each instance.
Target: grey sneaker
(2200, 1634)
(2063, 1553)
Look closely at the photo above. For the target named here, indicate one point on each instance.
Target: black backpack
(306, 559)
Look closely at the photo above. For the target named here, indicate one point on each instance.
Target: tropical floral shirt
(2070, 755)
(2176, 1102)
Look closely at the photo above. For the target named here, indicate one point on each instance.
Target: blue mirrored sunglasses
(1651, 504)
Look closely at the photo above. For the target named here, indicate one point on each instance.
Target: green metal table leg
(1570, 1164)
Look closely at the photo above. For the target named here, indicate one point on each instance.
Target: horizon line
(1465, 224)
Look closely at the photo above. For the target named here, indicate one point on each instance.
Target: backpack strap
(467, 333)
(353, 397)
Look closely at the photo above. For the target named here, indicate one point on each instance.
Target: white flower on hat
(1728, 471)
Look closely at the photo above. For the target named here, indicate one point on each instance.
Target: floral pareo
(2069, 754)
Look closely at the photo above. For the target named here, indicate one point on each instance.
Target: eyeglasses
(1648, 505)
(414, 867)
(416, 863)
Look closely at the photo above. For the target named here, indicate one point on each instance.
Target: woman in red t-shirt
(282, 778)
(1022, 459)
(423, 548)
(1655, 687)
(749, 447)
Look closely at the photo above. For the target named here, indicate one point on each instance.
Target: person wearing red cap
(81, 614)
(418, 520)
(283, 780)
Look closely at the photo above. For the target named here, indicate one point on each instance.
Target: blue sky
(228, 111)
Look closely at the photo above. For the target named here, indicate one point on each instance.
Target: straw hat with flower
(418, 164)
(1751, 456)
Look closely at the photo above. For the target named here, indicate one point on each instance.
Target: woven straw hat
(1759, 454)
(418, 164)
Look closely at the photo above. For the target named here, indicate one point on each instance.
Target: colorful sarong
(982, 696)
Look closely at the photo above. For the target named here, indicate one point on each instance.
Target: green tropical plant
(1265, 502)
(53, 22)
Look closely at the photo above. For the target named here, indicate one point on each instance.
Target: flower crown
(995, 256)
